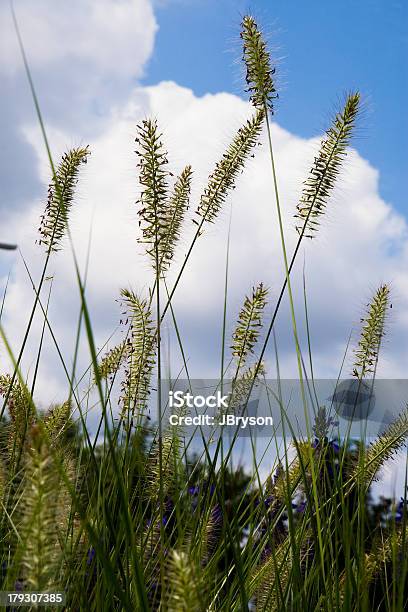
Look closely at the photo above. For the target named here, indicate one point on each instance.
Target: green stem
(224, 318)
(295, 333)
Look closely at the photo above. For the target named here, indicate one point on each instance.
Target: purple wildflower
(90, 555)
(401, 509)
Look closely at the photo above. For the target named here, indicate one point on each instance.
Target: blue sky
(325, 48)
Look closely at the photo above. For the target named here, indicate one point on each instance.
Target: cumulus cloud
(84, 57)
(362, 241)
(112, 37)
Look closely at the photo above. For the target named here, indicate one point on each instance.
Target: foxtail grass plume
(57, 422)
(18, 398)
(384, 448)
(20, 407)
(222, 180)
(112, 360)
(170, 464)
(140, 355)
(259, 71)
(153, 178)
(176, 209)
(243, 386)
(186, 593)
(3, 478)
(60, 198)
(249, 322)
(384, 549)
(372, 332)
(287, 481)
(161, 214)
(164, 467)
(39, 541)
(210, 534)
(326, 167)
(267, 578)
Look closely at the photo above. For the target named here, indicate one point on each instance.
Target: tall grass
(129, 517)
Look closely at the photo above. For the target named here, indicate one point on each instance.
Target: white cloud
(112, 37)
(362, 241)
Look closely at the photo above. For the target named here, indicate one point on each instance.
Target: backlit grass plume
(177, 207)
(384, 448)
(272, 576)
(112, 360)
(153, 177)
(246, 333)
(140, 354)
(372, 332)
(259, 71)
(39, 544)
(18, 399)
(186, 593)
(222, 180)
(209, 534)
(170, 467)
(382, 552)
(60, 198)
(57, 421)
(243, 384)
(20, 407)
(326, 167)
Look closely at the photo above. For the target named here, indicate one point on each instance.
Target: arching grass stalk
(224, 314)
(58, 196)
(123, 497)
(219, 490)
(317, 190)
(220, 182)
(154, 215)
(55, 220)
(260, 84)
(320, 184)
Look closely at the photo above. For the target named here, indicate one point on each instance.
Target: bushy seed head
(259, 71)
